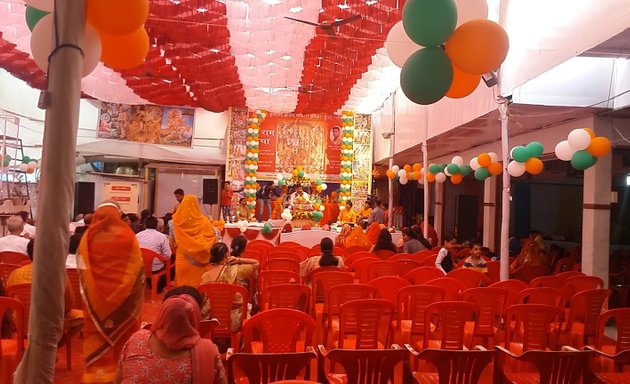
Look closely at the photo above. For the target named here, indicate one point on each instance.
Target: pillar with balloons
(251, 159)
(114, 33)
(443, 48)
(347, 155)
(582, 148)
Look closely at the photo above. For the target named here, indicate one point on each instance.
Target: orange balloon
(590, 132)
(417, 167)
(117, 17)
(457, 178)
(463, 84)
(430, 177)
(495, 169)
(484, 160)
(416, 175)
(390, 174)
(600, 146)
(407, 168)
(125, 52)
(534, 166)
(478, 46)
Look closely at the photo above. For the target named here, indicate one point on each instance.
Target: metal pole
(505, 200)
(425, 162)
(56, 191)
(392, 147)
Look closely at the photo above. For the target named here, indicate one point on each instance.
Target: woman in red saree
(112, 280)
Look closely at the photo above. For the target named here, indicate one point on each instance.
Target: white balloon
(275, 183)
(322, 208)
(286, 210)
(403, 180)
(512, 151)
(446, 172)
(42, 45)
(395, 168)
(42, 5)
(440, 177)
(579, 139)
(474, 164)
(344, 198)
(402, 173)
(23, 167)
(470, 10)
(398, 45)
(279, 176)
(32, 164)
(248, 178)
(493, 157)
(564, 151)
(324, 186)
(516, 169)
(254, 179)
(457, 160)
(421, 180)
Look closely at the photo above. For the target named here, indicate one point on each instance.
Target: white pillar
(439, 211)
(425, 190)
(503, 106)
(489, 212)
(596, 218)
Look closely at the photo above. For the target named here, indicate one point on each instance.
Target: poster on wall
(362, 162)
(286, 141)
(124, 193)
(150, 124)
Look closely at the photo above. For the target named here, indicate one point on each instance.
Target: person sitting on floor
(475, 261)
(172, 350)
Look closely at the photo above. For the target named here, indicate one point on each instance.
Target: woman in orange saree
(356, 238)
(372, 232)
(194, 235)
(112, 280)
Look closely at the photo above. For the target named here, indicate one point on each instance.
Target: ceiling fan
(327, 26)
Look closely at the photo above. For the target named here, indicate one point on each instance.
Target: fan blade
(346, 20)
(302, 21)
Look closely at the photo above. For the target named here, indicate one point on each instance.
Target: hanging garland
(486, 165)
(251, 159)
(347, 155)
(457, 170)
(408, 172)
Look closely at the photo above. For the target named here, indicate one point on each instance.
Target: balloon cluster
(286, 214)
(582, 148)
(406, 173)
(486, 165)
(347, 155)
(28, 165)
(526, 159)
(436, 173)
(251, 159)
(114, 33)
(242, 225)
(266, 229)
(318, 212)
(476, 47)
(218, 224)
(299, 176)
(457, 170)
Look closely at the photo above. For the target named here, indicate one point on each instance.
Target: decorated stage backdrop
(149, 124)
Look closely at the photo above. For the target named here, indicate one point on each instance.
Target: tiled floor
(65, 376)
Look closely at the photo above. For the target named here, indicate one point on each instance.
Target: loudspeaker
(210, 191)
(83, 197)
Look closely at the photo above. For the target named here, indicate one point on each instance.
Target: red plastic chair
(18, 258)
(279, 330)
(290, 244)
(283, 253)
(535, 324)
(421, 255)
(541, 295)
(449, 319)
(513, 288)
(387, 287)
(528, 274)
(452, 288)
(469, 277)
(421, 275)
(412, 303)
(429, 261)
(73, 276)
(576, 284)
(260, 243)
(12, 349)
(564, 264)
(360, 322)
(338, 251)
(356, 249)
(5, 271)
(321, 283)
(364, 366)
(148, 256)
(275, 277)
(401, 256)
(339, 295)
(585, 309)
(384, 254)
(360, 268)
(294, 296)
(256, 254)
(567, 366)
(282, 265)
(407, 265)
(453, 367)
(315, 250)
(382, 268)
(494, 271)
(222, 299)
(551, 281)
(491, 302)
(620, 360)
(621, 318)
(257, 368)
(360, 255)
(565, 275)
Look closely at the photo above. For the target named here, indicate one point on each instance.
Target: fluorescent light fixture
(215, 50)
(628, 180)
(273, 2)
(270, 52)
(251, 55)
(271, 74)
(296, 9)
(202, 10)
(371, 2)
(167, 81)
(176, 2)
(286, 57)
(343, 6)
(271, 63)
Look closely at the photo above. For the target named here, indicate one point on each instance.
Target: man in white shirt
(13, 242)
(29, 230)
(156, 241)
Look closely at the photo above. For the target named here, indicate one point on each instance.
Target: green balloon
(434, 169)
(33, 16)
(465, 170)
(452, 169)
(521, 154)
(482, 173)
(26, 159)
(582, 160)
(301, 174)
(442, 167)
(318, 182)
(426, 76)
(429, 22)
(535, 149)
(6, 161)
(281, 182)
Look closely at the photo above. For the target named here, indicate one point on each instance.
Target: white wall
(167, 182)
